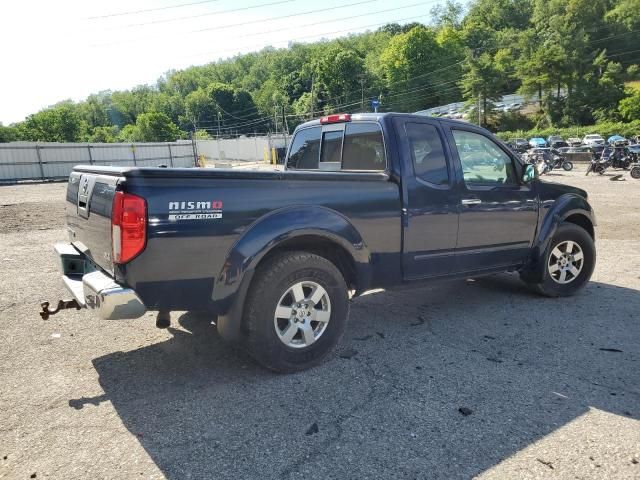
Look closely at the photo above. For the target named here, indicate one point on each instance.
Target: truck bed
(188, 252)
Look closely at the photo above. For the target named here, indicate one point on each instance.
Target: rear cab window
(351, 146)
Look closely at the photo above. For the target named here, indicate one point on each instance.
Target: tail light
(128, 226)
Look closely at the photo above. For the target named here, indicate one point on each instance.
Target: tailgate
(88, 214)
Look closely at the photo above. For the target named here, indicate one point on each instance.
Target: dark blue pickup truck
(366, 201)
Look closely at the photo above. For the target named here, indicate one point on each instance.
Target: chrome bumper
(93, 289)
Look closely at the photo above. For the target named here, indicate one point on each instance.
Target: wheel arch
(568, 208)
(314, 229)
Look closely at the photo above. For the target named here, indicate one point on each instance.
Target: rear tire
(567, 166)
(635, 172)
(568, 262)
(296, 311)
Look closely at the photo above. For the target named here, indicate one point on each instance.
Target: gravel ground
(427, 383)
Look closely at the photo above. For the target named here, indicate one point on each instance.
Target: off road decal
(195, 210)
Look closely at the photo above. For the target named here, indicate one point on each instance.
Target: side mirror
(529, 174)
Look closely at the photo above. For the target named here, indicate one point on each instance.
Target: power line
(135, 12)
(370, 89)
(244, 24)
(339, 106)
(319, 23)
(189, 17)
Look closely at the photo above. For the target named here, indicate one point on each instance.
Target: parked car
(366, 201)
(520, 145)
(592, 140)
(559, 144)
(537, 142)
(617, 140)
(512, 107)
(554, 138)
(574, 142)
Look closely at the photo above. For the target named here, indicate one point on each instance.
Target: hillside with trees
(576, 55)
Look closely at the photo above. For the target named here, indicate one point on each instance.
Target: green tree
(482, 84)
(418, 71)
(199, 108)
(103, 135)
(338, 73)
(130, 133)
(8, 134)
(448, 14)
(156, 127)
(60, 123)
(95, 110)
(629, 106)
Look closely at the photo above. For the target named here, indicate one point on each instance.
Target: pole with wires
(312, 96)
(362, 91)
(219, 115)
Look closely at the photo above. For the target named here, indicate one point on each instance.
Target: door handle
(471, 201)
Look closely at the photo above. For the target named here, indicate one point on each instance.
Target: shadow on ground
(387, 403)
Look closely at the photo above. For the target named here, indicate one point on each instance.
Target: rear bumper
(94, 289)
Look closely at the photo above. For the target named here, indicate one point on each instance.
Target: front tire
(567, 166)
(635, 172)
(295, 312)
(568, 262)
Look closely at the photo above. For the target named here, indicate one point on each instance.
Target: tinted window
(305, 149)
(483, 161)
(427, 153)
(331, 150)
(363, 147)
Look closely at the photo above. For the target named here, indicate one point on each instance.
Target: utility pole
(312, 95)
(275, 117)
(285, 128)
(219, 124)
(479, 117)
(362, 85)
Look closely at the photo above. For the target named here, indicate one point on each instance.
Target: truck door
(431, 200)
(498, 213)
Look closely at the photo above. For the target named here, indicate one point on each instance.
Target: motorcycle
(616, 157)
(545, 160)
(620, 157)
(635, 167)
(598, 165)
(559, 161)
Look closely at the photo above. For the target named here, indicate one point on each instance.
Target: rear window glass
(363, 147)
(305, 150)
(331, 150)
(358, 147)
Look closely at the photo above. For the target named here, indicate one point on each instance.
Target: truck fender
(269, 232)
(568, 206)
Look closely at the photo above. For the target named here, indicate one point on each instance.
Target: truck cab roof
(376, 117)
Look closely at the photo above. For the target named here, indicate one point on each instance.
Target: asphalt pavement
(456, 380)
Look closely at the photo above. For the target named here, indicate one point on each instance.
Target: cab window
(305, 149)
(363, 147)
(427, 153)
(359, 146)
(483, 162)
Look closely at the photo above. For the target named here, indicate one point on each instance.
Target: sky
(68, 49)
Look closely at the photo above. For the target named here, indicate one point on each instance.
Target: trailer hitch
(62, 305)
